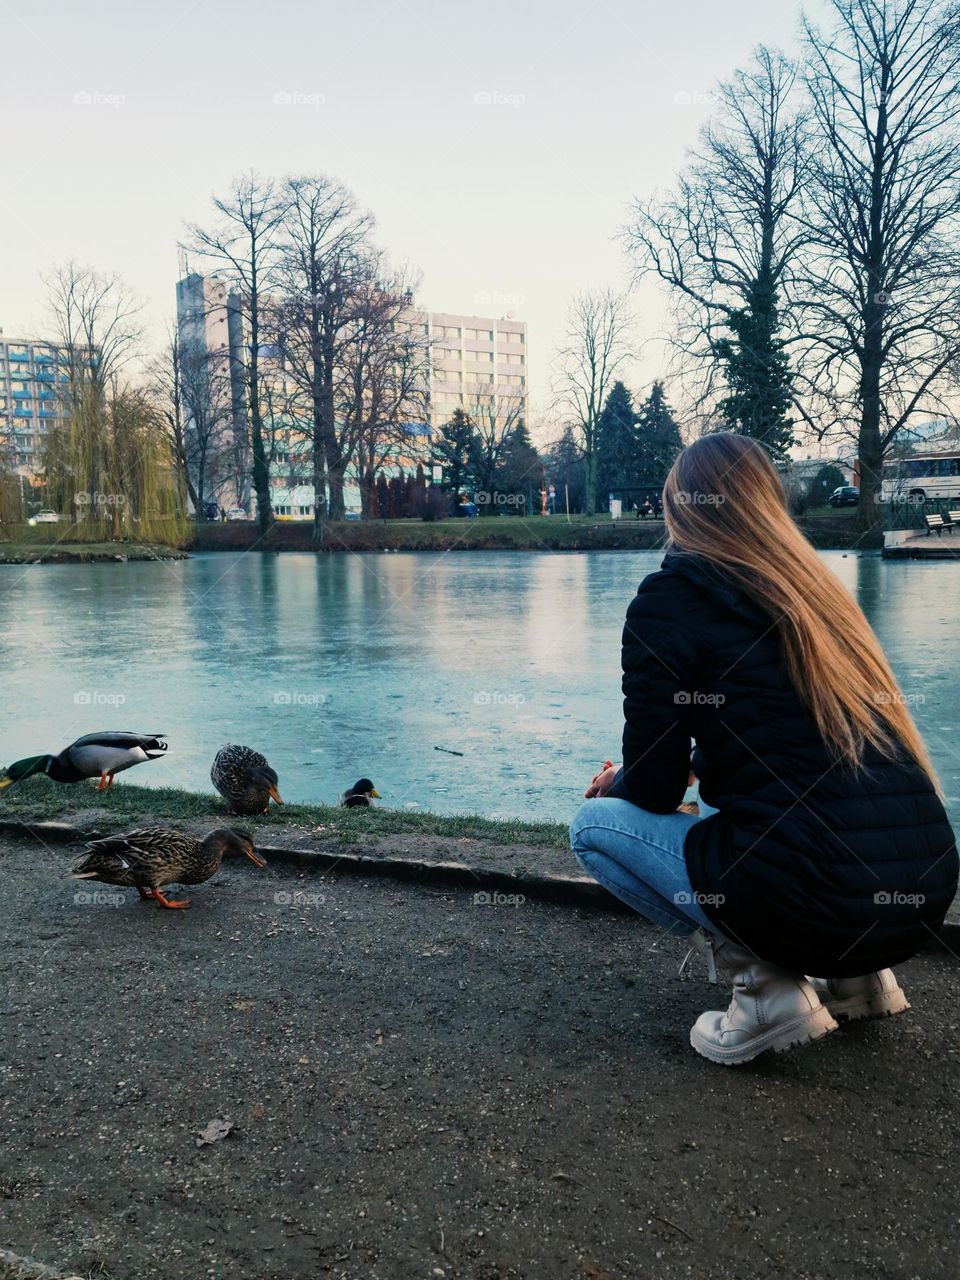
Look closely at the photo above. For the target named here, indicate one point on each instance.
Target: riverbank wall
(504, 533)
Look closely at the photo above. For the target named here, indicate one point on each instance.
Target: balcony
(47, 413)
(22, 395)
(22, 356)
(23, 411)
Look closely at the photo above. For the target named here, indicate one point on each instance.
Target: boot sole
(855, 1008)
(810, 1026)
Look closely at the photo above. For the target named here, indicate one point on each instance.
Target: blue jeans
(638, 856)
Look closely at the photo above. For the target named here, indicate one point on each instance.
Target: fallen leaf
(214, 1131)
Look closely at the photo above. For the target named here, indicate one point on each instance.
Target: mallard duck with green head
(360, 796)
(96, 755)
(245, 779)
(153, 857)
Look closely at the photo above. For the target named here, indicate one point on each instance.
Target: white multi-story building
(32, 382)
(475, 363)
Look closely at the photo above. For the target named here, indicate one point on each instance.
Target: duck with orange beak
(153, 857)
(245, 779)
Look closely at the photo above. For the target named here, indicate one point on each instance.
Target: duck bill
(256, 859)
(6, 782)
(375, 793)
(274, 795)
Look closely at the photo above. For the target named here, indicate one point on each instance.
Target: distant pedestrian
(821, 845)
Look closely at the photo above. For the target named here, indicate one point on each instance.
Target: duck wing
(96, 753)
(232, 766)
(119, 738)
(135, 853)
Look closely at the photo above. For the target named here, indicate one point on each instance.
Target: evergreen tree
(618, 445)
(518, 471)
(381, 497)
(567, 470)
(658, 436)
(828, 478)
(457, 449)
(398, 490)
(758, 374)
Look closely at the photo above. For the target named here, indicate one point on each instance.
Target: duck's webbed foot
(175, 904)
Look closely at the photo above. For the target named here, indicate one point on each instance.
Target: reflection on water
(337, 666)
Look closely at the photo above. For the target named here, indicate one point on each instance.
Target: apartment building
(32, 381)
(475, 363)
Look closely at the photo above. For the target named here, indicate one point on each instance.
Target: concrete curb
(576, 891)
(572, 890)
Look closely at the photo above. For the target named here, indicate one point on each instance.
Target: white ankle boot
(770, 1009)
(875, 995)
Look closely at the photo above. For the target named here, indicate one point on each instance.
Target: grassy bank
(84, 552)
(39, 800)
(494, 533)
(827, 531)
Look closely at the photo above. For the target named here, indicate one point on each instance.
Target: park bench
(937, 523)
(953, 517)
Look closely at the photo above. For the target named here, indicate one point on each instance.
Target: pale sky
(498, 144)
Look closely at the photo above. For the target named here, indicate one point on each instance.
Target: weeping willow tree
(11, 502)
(110, 465)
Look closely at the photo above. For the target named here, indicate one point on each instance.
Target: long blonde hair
(723, 501)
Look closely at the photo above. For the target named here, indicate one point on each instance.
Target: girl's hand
(602, 781)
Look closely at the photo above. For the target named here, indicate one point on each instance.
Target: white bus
(922, 477)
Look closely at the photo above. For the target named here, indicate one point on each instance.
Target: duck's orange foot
(103, 784)
(174, 904)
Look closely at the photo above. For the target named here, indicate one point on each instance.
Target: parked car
(45, 517)
(845, 496)
(211, 511)
(467, 509)
(236, 513)
(351, 514)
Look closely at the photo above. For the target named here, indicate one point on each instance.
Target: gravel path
(423, 1086)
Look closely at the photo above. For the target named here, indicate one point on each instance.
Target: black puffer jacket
(812, 866)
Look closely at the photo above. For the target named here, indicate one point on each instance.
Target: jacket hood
(712, 579)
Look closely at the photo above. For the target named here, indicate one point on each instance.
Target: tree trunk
(590, 497)
(261, 469)
(338, 508)
(319, 486)
(869, 442)
(367, 496)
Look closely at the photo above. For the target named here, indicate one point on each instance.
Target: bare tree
(596, 347)
(166, 385)
(385, 388)
(243, 246)
(215, 453)
(495, 411)
(97, 326)
(288, 432)
(882, 295)
(97, 332)
(323, 271)
(725, 243)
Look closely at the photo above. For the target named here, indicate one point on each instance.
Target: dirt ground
(422, 1085)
